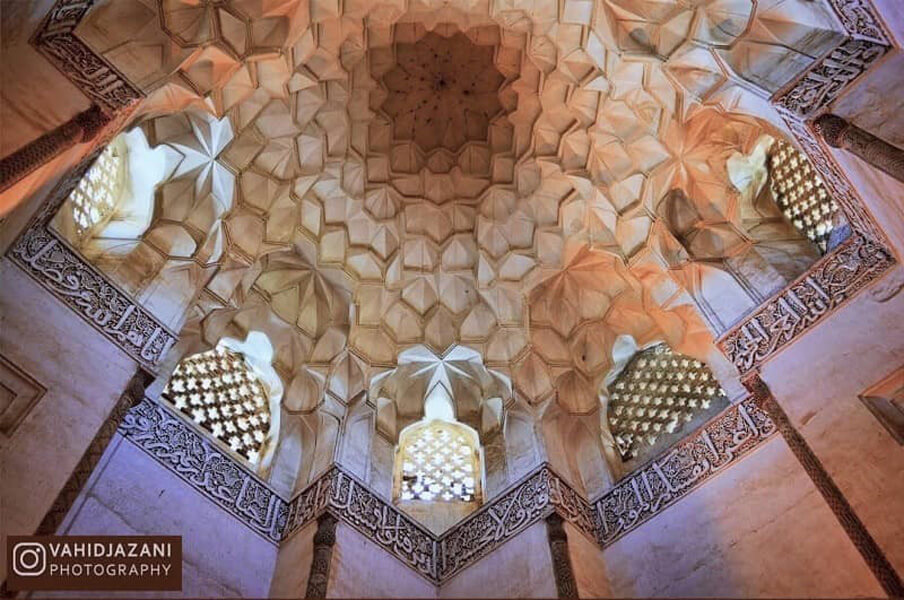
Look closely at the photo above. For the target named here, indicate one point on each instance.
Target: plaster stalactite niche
(495, 191)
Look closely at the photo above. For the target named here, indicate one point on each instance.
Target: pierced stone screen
(94, 199)
(800, 194)
(658, 392)
(438, 463)
(221, 393)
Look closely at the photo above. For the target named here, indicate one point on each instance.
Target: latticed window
(93, 201)
(800, 193)
(658, 392)
(222, 394)
(439, 461)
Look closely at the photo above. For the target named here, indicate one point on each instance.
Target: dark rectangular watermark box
(94, 562)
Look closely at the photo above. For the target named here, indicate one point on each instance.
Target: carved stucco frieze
(828, 284)
(196, 460)
(90, 72)
(177, 445)
(384, 524)
(42, 253)
(720, 443)
(505, 517)
(859, 19)
(826, 79)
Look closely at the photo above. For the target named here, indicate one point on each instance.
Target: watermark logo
(29, 559)
(133, 563)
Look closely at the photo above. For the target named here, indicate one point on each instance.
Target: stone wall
(817, 381)
(759, 529)
(359, 568)
(83, 374)
(520, 568)
(293, 564)
(132, 494)
(36, 96)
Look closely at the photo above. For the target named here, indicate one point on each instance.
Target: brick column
(324, 540)
(566, 586)
(83, 127)
(839, 133)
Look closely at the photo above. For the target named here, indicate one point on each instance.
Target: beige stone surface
(36, 97)
(221, 557)
(588, 564)
(875, 102)
(844, 355)
(552, 195)
(759, 529)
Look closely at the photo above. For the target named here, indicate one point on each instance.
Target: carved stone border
(156, 429)
(715, 446)
(167, 437)
(49, 260)
(825, 80)
(385, 525)
(89, 72)
(826, 286)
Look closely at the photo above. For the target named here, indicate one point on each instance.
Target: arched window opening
(800, 193)
(658, 396)
(227, 393)
(438, 472)
(438, 462)
(93, 201)
(113, 202)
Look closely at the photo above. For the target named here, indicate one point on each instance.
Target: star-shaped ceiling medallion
(442, 92)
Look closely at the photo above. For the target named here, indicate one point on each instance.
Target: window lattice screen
(658, 391)
(800, 193)
(438, 462)
(221, 393)
(94, 198)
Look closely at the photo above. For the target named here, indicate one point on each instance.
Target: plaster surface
(293, 564)
(520, 568)
(866, 337)
(588, 564)
(759, 529)
(64, 354)
(360, 569)
(36, 97)
(131, 494)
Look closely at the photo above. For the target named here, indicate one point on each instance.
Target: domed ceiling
(442, 92)
(482, 173)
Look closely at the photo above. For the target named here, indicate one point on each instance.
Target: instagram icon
(29, 559)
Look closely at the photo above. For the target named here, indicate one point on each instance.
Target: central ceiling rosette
(443, 92)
